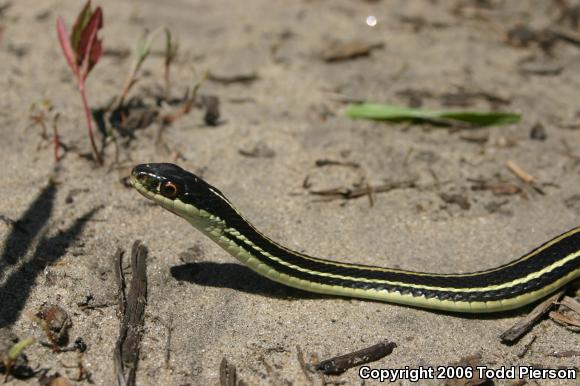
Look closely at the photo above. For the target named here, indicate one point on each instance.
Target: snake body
(512, 285)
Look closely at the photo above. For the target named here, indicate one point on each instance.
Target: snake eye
(169, 189)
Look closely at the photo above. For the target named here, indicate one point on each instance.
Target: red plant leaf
(95, 54)
(65, 45)
(80, 24)
(96, 48)
(90, 47)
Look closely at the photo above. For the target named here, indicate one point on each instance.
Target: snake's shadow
(237, 277)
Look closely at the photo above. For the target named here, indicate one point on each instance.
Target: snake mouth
(142, 176)
(144, 180)
(142, 185)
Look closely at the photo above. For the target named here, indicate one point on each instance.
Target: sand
(213, 306)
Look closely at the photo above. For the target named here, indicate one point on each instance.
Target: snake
(520, 282)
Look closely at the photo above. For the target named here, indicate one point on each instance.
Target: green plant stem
(167, 83)
(129, 82)
(89, 118)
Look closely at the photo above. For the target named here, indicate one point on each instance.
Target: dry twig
(571, 303)
(339, 364)
(303, 365)
(564, 320)
(524, 325)
(228, 376)
(519, 172)
(523, 175)
(132, 309)
(356, 192)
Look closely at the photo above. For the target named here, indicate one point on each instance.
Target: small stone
(538, 132)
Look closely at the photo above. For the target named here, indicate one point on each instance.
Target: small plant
(118, 120)
(82, 50)
(171, 48)
(40, 113)
(124, 114)
(9, 358)
(142, 51)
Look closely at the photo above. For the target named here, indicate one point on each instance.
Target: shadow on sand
(16, 288)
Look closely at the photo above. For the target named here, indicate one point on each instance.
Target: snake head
(182, 193)
(167, 180)
(172, 183)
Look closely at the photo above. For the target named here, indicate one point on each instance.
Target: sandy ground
(216, 308)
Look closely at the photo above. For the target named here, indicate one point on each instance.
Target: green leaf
(397, 113)
(144, 46)
(170, 47)
(15, 351)
(82, 20)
